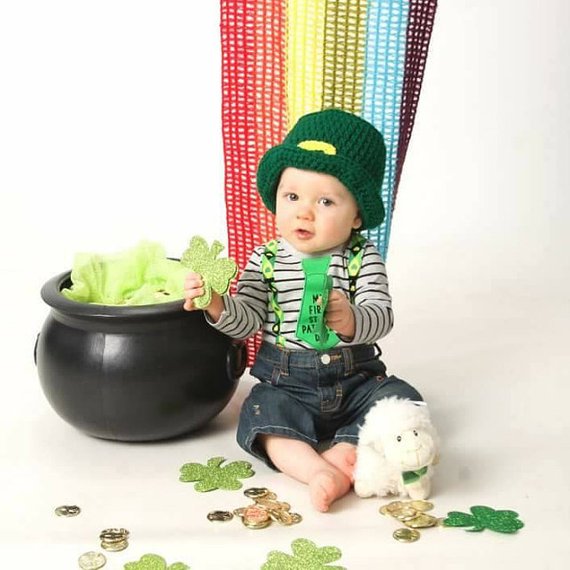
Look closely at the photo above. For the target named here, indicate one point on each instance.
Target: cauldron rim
(51, 295)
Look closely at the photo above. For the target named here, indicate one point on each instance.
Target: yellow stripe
(344, 54)
(305, 37)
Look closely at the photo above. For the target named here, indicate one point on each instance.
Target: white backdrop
(110, 133)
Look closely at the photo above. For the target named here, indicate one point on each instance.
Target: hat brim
(359, 183)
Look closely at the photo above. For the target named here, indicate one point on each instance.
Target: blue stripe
(385, 58)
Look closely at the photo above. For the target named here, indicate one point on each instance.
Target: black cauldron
(133, 373)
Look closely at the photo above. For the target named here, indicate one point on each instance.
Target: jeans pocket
(370, 369)
(264, 371)
(359, 376)
(377, 369)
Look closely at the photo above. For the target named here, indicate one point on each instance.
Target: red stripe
(254, 117)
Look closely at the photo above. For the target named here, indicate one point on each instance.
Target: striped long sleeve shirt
(250, 309)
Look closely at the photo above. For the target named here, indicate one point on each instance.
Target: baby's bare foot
(343, 457)
(327, 486)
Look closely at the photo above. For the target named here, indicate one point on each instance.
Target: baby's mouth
(303, 234)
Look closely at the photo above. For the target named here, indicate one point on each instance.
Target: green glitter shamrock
(154, 562)
(217, 274)
(212, 476)
(306, 556)
(485, 517)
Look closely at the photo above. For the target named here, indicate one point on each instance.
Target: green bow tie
(311, 325)
(413, 476)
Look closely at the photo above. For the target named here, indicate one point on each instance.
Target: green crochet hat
(333, 142)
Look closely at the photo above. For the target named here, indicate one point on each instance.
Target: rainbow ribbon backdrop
(282, 59)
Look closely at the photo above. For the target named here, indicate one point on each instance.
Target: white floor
(494, 375)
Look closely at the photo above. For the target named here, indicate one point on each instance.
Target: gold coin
(285, 517)
(114, 534)
(256, 524)
(67, 511)
(115, 546)
(255, 515)
(406, 535)
(92, 561)
(282, 517)
(394, 506)
(405, 514)
(220, 516)
(273, 504)
(422, 506)
(296, 518)
(256, 492)
(422, 521)
(384, 510)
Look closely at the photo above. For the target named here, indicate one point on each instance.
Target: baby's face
(314, 212)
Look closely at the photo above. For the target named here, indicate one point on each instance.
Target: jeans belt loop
(285, 362)
(348, 362)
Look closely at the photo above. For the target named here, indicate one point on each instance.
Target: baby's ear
(357, 222)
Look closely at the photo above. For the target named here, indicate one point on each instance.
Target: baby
(319, 371)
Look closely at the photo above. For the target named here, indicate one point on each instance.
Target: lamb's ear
(368, 439)
(422, 408)
(366, 436)
(422, 414)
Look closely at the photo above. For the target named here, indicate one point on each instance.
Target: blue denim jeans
(314, 396)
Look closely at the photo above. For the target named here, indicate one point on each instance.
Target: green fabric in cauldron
(139, 276)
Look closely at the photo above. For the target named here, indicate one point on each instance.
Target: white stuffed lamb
(396, 450)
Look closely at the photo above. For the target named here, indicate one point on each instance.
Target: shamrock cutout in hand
(306, 556)
(485, 517)
(212, 476)
(154, 562)
(217, 274)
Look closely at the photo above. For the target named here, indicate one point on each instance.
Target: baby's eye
(326, 202)
(291, 197)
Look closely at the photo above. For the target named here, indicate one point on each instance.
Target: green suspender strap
(267, 267)
(356, 248)
(311, 326)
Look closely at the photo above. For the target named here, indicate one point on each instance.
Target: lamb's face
(410, 449)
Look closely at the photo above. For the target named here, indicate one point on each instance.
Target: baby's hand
(339, 316)
(193, 287)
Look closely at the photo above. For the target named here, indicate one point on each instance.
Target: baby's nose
(304, 212)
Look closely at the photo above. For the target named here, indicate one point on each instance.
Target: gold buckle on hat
(321, 146)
